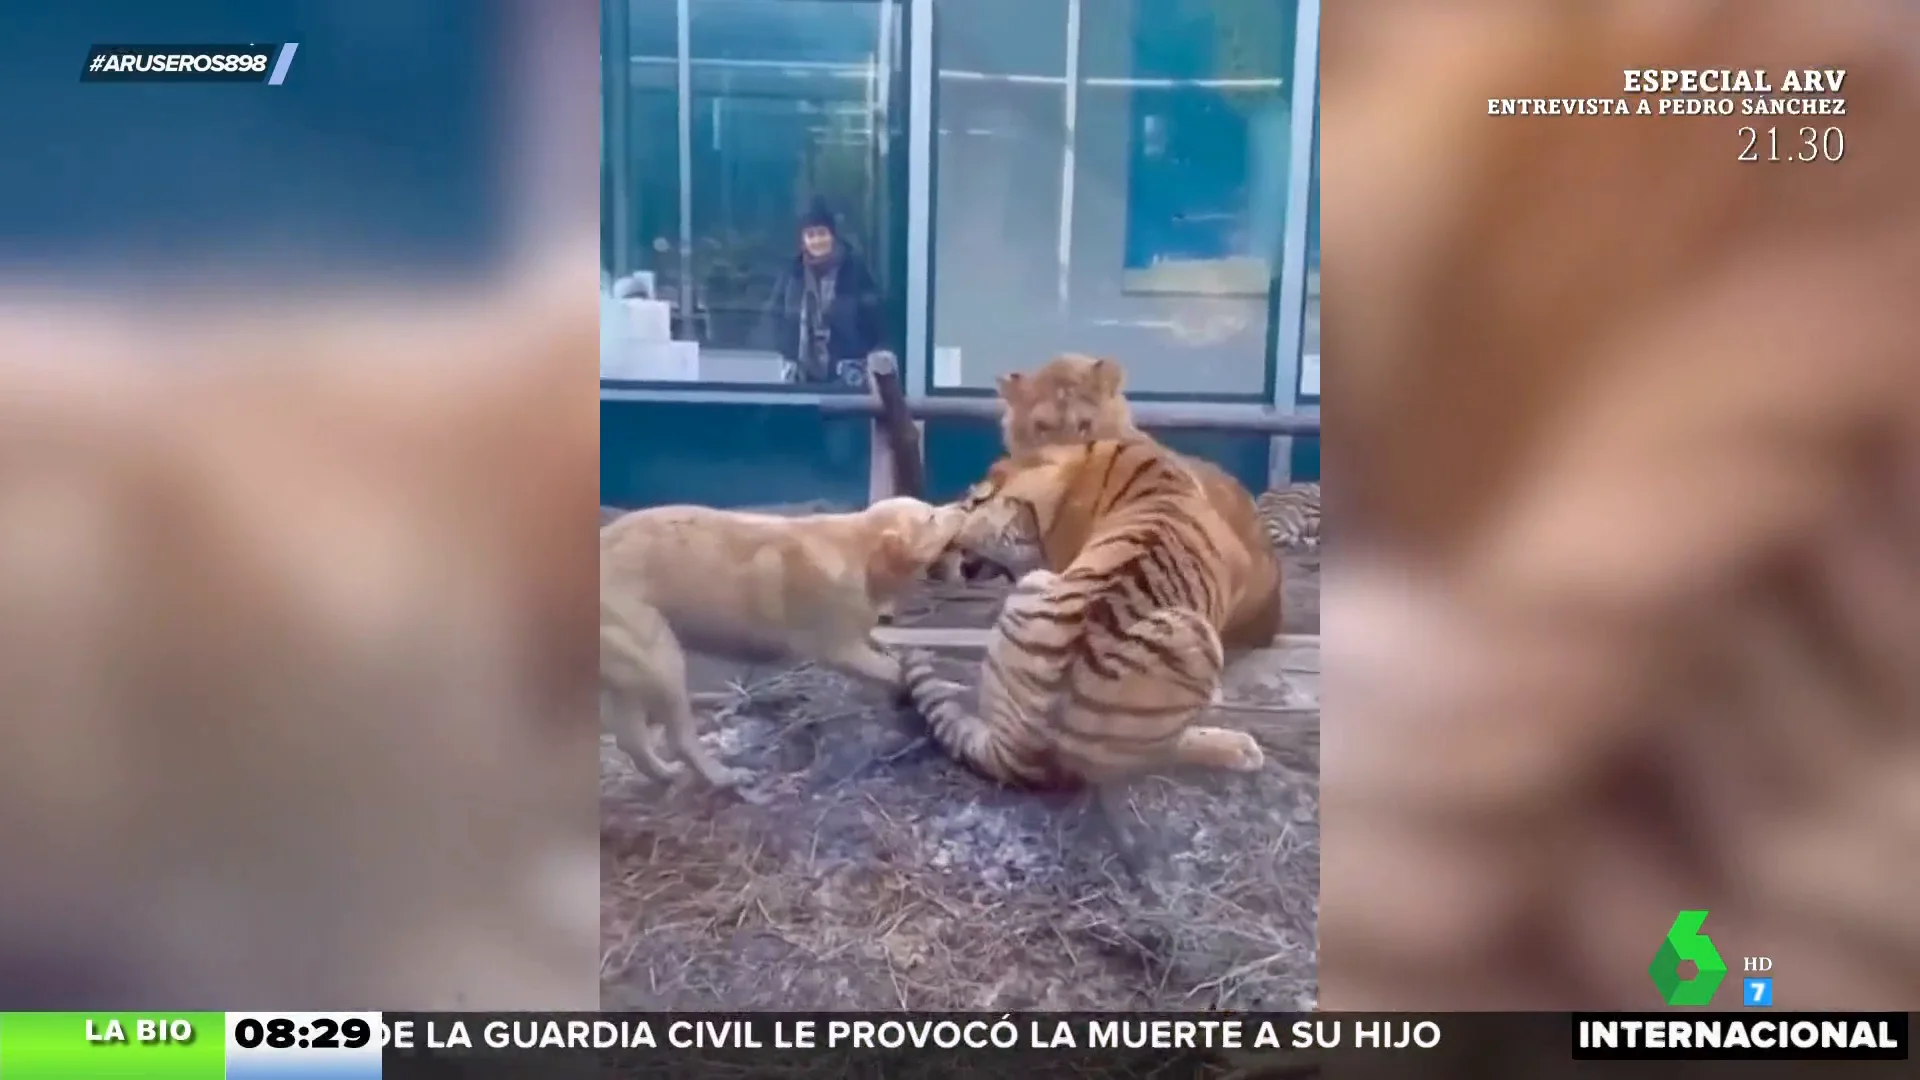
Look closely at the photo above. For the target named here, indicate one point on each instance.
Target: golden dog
(754, 588)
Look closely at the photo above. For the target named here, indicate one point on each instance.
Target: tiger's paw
(1036, 581)
(1243, 754)
(1219, 748)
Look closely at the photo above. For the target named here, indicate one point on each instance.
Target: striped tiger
(1291, 516)
(1072, 398)
(1095, 673)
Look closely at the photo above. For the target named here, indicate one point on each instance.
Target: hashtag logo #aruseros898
(250, 63)
(1683, 942)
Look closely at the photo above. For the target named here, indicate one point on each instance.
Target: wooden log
(895, 425)
(1190, 416)
(1272, 725)
(1275, 723)
(974, 638)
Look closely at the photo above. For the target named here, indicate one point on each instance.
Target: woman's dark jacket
(852, 319)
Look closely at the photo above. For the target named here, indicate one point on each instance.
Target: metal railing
(1185, 416)
(899, 462)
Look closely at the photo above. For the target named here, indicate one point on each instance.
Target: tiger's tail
(1093, 725)
(968, 737)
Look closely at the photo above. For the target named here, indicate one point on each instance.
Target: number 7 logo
(1759, 993)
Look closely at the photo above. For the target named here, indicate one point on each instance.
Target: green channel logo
(1684, 941)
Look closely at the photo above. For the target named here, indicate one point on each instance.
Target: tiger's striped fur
(1291, 516)
(1095, 673)
(1073, 398)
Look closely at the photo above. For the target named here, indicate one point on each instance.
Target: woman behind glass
(824, 315)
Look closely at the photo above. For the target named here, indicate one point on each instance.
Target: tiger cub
(1291, 516)
(1073, 398)
(1095, 672)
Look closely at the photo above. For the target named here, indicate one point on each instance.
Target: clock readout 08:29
(309, 1031)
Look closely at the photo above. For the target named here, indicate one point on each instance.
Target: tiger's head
(1071, 398)
(1010, 513)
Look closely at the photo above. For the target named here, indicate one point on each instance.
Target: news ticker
(367, 1045)
(249, 63)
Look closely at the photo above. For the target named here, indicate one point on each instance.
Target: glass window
(1111, 180)
(767, 256)
(651, 144)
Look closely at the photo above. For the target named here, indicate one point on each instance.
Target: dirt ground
(863, 869)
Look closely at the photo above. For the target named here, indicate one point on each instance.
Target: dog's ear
(892, 562)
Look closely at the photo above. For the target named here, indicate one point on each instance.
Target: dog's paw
(729, 778)
(750, 796)
(916, 666)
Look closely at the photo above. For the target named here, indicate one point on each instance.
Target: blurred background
(296, 383)
(381, 158)
(1627, 476)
